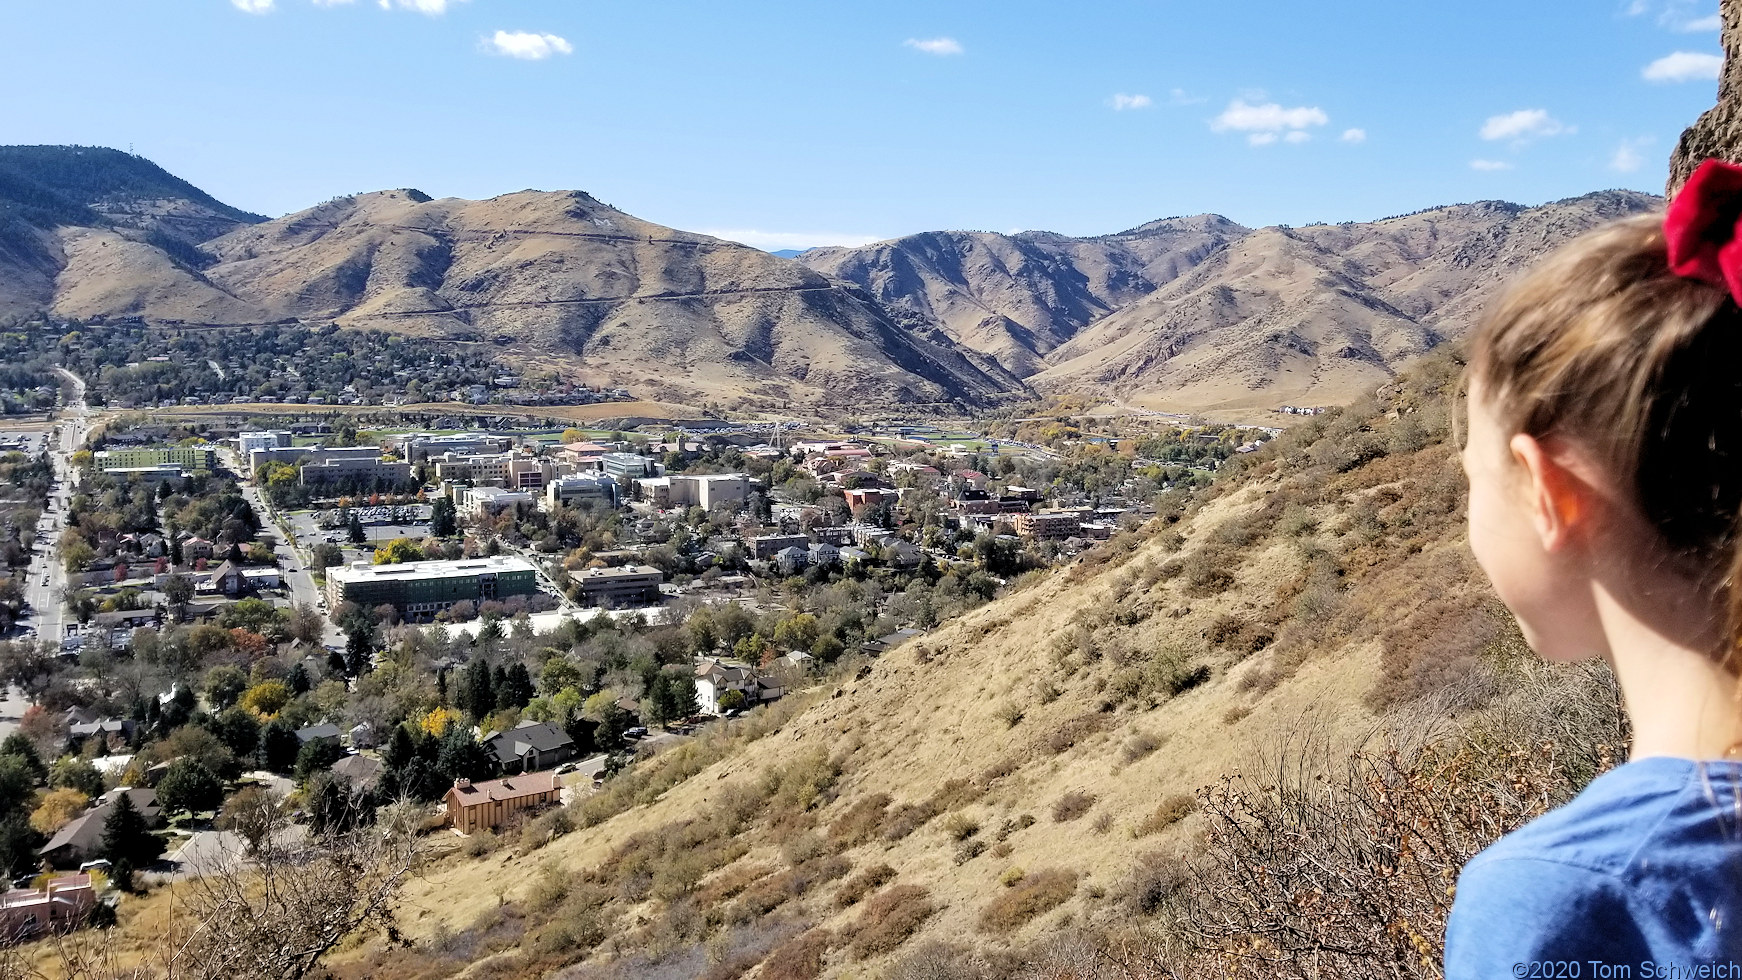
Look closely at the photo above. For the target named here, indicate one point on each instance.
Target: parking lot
(309, 532)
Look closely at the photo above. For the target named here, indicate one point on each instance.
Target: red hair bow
(1702, 224)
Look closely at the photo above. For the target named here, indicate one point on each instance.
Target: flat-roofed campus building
(375, 468)
(195, 458)
(421, 589)
(613, 588)
(269, 439)
(575, 490)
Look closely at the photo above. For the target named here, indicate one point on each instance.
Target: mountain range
(1192, 313)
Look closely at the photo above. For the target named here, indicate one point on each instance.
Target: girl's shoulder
(1644, 816)
(1645, 864)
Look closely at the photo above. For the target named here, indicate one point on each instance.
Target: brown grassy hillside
(1025, 776)
(636, 303)
(1318, 315)
(1017, 297)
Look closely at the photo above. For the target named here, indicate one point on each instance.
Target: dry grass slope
(970, 802)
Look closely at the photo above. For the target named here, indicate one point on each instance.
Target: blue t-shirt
(1642, 870)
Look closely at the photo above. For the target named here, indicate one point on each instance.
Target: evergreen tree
(298, 679)
(17, 744)
(515, 690)
(279, 746)
(335, 663)
(19, 843)
(477, 694)
(128, 843)
(683, 696)
(659, 702)
(334, 808)
(399, 750)
(461, 756)
(317, 756)
(444, 522)
(354, 530)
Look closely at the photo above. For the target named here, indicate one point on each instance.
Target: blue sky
(801, 122)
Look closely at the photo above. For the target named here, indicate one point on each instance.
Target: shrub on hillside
(1173, 808)
(960, 826)
(1140, 745)
(934, 960)
(891, 917)
(862, 820)
(800, 958)
(1071, 806)
(1158, 878)
(864, 883)
(1377, 841)
(1038, 893)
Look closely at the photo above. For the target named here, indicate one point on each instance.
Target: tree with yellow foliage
(266, 698)
(57, 809)
(398, 552)
(436, 722)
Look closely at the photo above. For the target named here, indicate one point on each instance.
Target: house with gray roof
(529, 747)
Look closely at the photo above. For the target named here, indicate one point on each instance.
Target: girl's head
(1605, 444)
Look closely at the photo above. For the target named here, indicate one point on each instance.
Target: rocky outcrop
(1717, 134)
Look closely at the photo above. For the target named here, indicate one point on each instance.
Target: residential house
(113, 732)
(82, 837)
(884, 644)
(313, 732)
(714, 678)
(530, 746)
(792, 560)
(60, 904)
(360, 772)
(768, 545)
(824, 555)
(488, 806)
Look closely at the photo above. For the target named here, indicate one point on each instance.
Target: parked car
(636, 732)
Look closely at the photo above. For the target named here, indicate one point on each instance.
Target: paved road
(292, 564)
(45, 580)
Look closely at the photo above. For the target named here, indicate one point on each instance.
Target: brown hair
(1602, 345)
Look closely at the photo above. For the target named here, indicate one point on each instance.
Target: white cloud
(253, 6)
(773, 241)
(526, 45)
(1268, 119)
(1525, 124)
(432, 8)
(1298, 136)
(1490, 165)
(1354, 136)
(1180, 96)
(1628, 157)
(1120, 102)
(1684, 66)
(935, 45)
(1677, 15)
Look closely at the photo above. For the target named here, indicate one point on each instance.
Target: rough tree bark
(1718, 132)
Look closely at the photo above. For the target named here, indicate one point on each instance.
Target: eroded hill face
(1018, 297)
(1200, 314)
(122, 233)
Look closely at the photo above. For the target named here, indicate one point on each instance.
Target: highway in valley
(45, 580)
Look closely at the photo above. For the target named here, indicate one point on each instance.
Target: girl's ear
(1560, 500)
